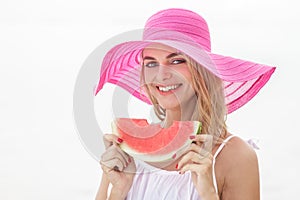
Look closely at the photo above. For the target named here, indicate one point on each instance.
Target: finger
(111, 174)
(110, 139)
(192, 147)
(193, 157)
(204, 167)
(114, 151)
(195, 148)
(199, 137)
(109, 170)
(105, 168)
(131, 168)
(114, 164)
(204, 140)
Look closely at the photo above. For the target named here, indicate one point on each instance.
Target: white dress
(151, 183)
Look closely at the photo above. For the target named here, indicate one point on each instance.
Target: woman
(184, 81)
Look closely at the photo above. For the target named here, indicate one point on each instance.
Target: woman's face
(167, 76)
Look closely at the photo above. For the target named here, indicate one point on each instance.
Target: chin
(169, 104)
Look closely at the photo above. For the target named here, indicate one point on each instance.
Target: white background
(44, 43)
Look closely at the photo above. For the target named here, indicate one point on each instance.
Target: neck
(186, 112)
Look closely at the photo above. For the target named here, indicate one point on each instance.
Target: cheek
(185, 74)
(149, 75)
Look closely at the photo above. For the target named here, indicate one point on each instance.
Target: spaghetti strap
(214, 161)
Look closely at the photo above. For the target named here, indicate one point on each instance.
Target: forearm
(117, 195)
(206, 189)
(103, 188)
(210, 196)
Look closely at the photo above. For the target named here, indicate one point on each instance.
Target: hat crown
(178, 21)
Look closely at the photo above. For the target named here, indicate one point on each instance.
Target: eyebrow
(168, 56)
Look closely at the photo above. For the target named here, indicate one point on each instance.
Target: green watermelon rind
(152, 157)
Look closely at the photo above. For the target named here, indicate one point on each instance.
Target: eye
(178, 61)
(151, 64)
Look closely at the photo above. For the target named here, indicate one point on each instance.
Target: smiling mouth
(168, 88)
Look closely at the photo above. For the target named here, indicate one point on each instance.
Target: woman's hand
(198, 159)
(118, 167)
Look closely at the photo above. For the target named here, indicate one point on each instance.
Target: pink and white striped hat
(187, 32)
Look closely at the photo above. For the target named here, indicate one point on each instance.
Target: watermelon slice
(151, 142)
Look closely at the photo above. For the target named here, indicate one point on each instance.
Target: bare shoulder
(237, 170)
(237, 151)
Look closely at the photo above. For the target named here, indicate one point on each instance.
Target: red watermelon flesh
(151, 142)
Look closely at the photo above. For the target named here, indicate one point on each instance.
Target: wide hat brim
(242, 79)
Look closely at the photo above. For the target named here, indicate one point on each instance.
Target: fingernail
(174, 156)
(192, 137)
(176, 166)
(120, 140)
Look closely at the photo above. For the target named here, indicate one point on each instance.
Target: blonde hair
(211, 108)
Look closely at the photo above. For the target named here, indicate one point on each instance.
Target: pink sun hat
(187, 32)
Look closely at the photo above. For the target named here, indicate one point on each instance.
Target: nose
(163, 73)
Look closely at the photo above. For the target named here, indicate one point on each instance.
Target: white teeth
(168, 88)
